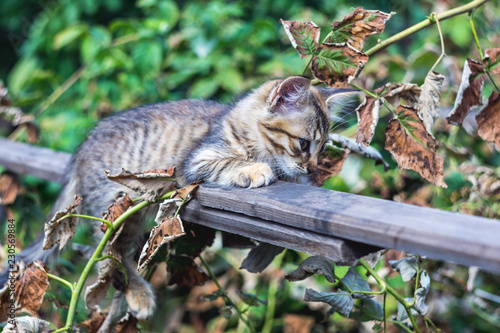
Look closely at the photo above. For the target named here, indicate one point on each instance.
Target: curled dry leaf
(393, 92)
(488, 120)
(92, 325)
(430, 98)
(127, 324)
(59, 231)
(149, 184)
(167, 231)
(9, 188)
(184, 271)
(260, 257)
(17, 118)
(31, 287)
(330, 164)
(469, 93)
(114, 211)
(313, 265)
(368, 113)
(304, 36)
(337, 64)
(492, 60)
(413, 147)
(356, 27)
(28, 324)
(96, 292)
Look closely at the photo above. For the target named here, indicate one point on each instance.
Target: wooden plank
(339, 250)
(302, 209)
(438, 234)
(40, 162)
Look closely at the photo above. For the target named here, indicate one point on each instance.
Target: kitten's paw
(255, 175)
(140, 298)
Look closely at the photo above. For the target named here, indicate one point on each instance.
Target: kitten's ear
(289, 95)
(340, 100)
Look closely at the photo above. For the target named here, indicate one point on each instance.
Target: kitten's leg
(232, 171)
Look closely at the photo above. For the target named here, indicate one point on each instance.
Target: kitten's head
(295, 128)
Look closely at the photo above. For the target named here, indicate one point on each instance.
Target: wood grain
(313, 220)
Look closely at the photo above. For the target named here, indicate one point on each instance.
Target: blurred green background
(71, 63)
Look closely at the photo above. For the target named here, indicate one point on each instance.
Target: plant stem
(271, 297)
(424, 24)
(96, 255)
(226, 297)
(109, 224)
(63, 281)
(434, 16)
(391, 291)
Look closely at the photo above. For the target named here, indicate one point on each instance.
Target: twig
(424, 24)
(441, 56)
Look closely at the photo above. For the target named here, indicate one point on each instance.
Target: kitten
(276, 132)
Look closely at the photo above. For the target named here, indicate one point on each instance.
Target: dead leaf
(127, 324)
(469, 93)
(115, 210)
(167, 231)
(313, 265)
(92, 325)
(184, 272)
(304, 36)
(492, 59)
(31, 287)
(294, 323)
(61, 231)
(169, 206)
(402, 140)
(356, 27)
(9, 188)
(354, 147)
(96, 292)
(186, 193)
(368, 113)
(150, 185)
(393, 92)
(488, 120)
(28, 324)
(329, 165)
(430, 98)
(337, 64)
(260, 257)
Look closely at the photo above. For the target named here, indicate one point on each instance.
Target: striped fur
(249, 144)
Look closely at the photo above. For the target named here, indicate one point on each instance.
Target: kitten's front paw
(255, 175)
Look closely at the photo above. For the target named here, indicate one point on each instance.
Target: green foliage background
(124, 54)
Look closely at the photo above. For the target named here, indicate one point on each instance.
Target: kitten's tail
(35, 250)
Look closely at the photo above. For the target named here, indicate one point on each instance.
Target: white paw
(255, 175)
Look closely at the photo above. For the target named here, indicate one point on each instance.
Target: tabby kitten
(276, 132)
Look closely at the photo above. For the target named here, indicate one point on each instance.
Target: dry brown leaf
(430, 98)
(393, 92)
(115, 210)
(149, 184)
(356, 27)
(169, 229)
(408, 152)
(127, 324)
(304, 36)
(96, 292)
(9, 188)
(61, 231)
(329, 165)
(492, 57)
(31, 287)
(186, 193)
(294, 323)
(337, 64)
(469, 93)
(488, 120)
(26, 324)
(368, 113)
(184, 272)
(92, 325)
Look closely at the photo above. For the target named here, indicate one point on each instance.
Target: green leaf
(355, 281)
(21, 74)
(213, 296)
(369, 309)
(230, 79)
(147, 56)
(333, 60)
(68, 35)
(251, 299)
(407, 267)
(340, 301)
(204, 88)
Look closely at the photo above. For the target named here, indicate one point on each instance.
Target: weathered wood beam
(314, 220)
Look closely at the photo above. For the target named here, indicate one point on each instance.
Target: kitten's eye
(304, 144)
